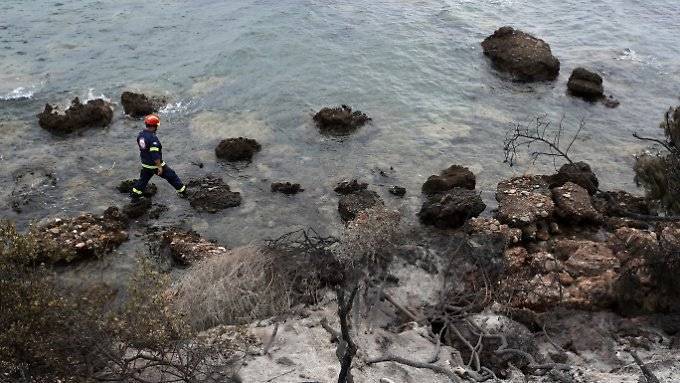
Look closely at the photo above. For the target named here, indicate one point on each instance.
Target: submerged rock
(585, 84)
(454, 177)
(211, 194)
(31, 187)
(137, 207)
(86, 235)
(95, 113)
(139, 105)
(126, 186)
(452, 208)
(237, 149)
(286, 188)
(340, 120)
(397, 190)
(524, 56)
(352, 204)
(347, 187)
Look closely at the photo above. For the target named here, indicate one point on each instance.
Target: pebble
(55, 230)
(80, 245)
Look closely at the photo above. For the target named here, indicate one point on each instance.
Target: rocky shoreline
(563, 282)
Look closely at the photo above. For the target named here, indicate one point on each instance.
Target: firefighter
(151, 153)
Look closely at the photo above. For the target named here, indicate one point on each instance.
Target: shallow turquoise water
(261, 68)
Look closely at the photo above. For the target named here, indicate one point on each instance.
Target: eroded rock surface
(455, 176)
(211, 194)
(492, 227)
(525, 203)
(188, 247)
(94, 113)
(340, 120)
(237, 149)
(575, 273)
(87, 235)
(522, 55)
(579, 173)
(139, 105)
(573, 204)
(450, 209)
(585, 84)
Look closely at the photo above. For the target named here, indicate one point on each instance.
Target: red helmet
(152, 120)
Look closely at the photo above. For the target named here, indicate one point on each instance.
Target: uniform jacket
(150, 148)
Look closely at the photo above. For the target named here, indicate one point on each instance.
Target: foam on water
(20, 93)
(91, 96)
(174, 108)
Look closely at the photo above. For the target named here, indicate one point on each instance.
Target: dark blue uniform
(151, 150)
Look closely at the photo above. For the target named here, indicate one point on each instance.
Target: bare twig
(660, 142)
(401, 308)
(279, 375)
(648, 374)
(538, 132)
(433, 367)
(438, 346)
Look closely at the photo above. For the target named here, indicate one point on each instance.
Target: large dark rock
(286, 188)
(450, 209)
(237, 149)
(579, 173)
(524, 56)
(32, 187)
(126, 186)
(211, 194)
(95, 113)
(139, 105)
(340, 120)
(454, 177)
(352, 204)
(585, 84)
